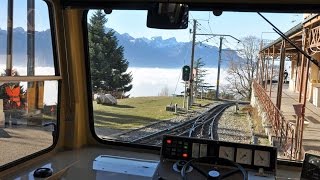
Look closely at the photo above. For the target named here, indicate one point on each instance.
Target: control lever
(54, 132)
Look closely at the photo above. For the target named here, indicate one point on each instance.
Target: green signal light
(185, 73)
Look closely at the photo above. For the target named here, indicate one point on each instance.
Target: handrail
(283, 129)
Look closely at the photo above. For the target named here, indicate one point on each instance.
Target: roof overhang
(295, 34)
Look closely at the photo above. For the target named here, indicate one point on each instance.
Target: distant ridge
(140, 52)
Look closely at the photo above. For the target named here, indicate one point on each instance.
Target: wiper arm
(290, 42)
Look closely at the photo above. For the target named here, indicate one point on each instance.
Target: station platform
(311, 134)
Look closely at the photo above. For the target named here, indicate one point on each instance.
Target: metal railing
(283, 130)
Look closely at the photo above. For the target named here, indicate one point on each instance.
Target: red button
(185, 155)
(169, 141)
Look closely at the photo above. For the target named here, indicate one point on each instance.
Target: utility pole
(190, 100)
(219, 60)
(185, 94)
(219, 64)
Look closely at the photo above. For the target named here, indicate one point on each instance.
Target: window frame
(57, 77)
(123, 143)
(89, 91)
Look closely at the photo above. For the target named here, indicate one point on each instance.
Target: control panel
(253, 157)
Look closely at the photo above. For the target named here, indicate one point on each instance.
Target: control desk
(180, 158)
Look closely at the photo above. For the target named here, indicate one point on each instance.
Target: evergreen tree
(107, 62)
(199, 76)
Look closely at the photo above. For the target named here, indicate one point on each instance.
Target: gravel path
(233, 127)
(19, 141)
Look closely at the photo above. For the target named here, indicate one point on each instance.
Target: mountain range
(140, 52)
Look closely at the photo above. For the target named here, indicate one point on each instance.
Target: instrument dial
(244, 156)
(226, 152)
(262, 158)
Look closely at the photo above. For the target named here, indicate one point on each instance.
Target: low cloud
(146, 81)
(150, 81)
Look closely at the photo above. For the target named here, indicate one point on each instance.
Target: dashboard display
(249, 156)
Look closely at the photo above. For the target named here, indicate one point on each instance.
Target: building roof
(297, 28)
(289, 33)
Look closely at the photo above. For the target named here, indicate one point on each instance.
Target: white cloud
(146, 81)
(150, 81)
(50, 87)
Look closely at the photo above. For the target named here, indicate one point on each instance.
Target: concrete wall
(264, 117)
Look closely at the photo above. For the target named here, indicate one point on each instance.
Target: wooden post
(296, 74)
(267, 69)
(301, 121)
(280, 79)
(262, 69)
(302, 89)
(303, 63)
(31, 91)
(273, 47)
(305, 84)
(9, 38)
(35, 89)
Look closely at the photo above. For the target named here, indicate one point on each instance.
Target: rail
(191, 128)
(284, 130)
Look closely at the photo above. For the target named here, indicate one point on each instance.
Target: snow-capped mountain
(140, 52)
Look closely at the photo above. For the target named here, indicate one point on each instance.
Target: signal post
(186, 77)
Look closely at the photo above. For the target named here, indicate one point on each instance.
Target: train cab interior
(90, 89)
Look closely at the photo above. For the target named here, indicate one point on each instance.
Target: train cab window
(222, 78)
(29, 81)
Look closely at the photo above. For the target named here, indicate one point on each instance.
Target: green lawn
(135, 112)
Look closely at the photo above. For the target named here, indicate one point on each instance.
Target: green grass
(135, 112)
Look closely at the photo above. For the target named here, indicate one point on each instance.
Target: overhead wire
(209, 23)
(184, 62)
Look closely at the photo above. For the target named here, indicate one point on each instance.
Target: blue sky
(20, 14)
(134, 22)
(233, 23)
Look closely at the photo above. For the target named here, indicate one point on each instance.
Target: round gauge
(262, 158)
(226, 152)
(244, 156)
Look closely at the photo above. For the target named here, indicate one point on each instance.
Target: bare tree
(242, 67)
(225, 93)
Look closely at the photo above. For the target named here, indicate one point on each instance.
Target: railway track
(197, 127)
(150, 129)
(204, 128)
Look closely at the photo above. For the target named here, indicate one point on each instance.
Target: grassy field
(135, 112)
